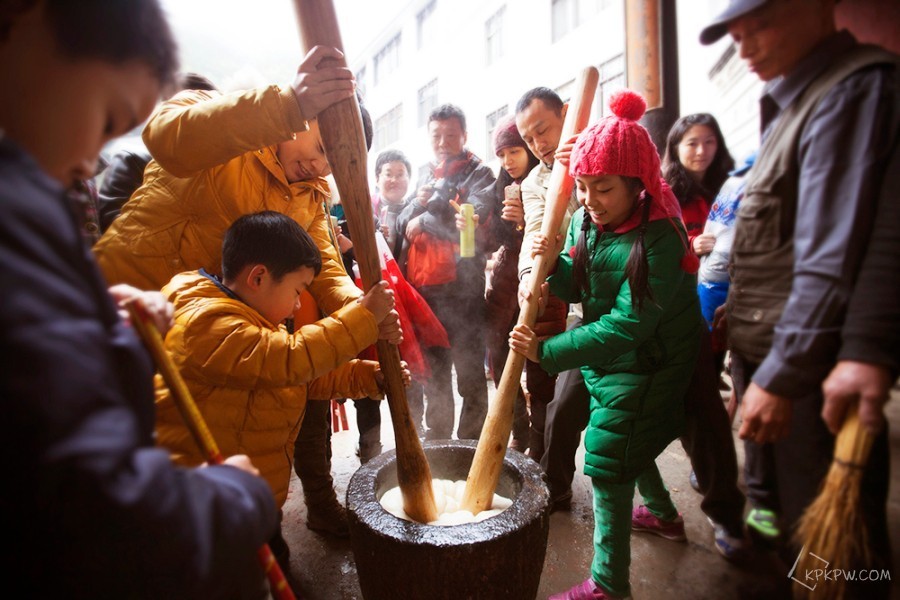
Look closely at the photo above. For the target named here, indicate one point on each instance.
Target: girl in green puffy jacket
(627, 261)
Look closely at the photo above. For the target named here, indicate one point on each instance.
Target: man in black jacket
(453, 286)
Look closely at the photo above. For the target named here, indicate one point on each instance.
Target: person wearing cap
(830, 122)
(628, 261)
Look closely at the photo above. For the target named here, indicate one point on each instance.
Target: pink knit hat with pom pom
(619, 145)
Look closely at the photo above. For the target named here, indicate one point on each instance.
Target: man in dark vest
(830, 122)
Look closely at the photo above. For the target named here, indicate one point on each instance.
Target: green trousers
(612, 525)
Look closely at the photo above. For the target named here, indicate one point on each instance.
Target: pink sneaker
(644, 520)
(586, 590)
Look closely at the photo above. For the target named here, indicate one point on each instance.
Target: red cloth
(694, 214)
(421, 328)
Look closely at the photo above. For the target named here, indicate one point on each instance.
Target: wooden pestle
(345, 145)
(485, 471)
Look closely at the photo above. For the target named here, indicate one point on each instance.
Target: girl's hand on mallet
(523, 340)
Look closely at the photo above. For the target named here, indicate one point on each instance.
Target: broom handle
(149, 334)
(854, 442)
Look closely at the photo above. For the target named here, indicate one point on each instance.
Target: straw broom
(832, 527)
(149, 334)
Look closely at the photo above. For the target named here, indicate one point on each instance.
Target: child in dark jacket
(627, 261)
(91, 507)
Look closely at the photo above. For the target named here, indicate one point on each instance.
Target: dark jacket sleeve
(122, 177)
(86, 490)
(495, 232)
(844, 150)
(485, 206)
(871, 332)
(413, 208)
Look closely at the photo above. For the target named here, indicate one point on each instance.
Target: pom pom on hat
(506, 135)
(627, 104)
(619, 145)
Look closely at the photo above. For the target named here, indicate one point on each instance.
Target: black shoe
(693, 481)
(368, 451)
(328, 518)
(281, 551)
(562, 502)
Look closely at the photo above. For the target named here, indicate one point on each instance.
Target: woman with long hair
(695, 166)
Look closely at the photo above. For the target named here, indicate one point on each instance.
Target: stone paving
(325, 568)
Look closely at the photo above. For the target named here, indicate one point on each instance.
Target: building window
(425, 24)
(566, 15)
(612, 78)
(387, 59)
(563, 17)
(589, 8)
(565, 90)
(493, 36)
(428, 100)
(387, 128)
(490, 122)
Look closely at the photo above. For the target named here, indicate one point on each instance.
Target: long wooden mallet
(152, 339)
(485, 470)
(345, 145)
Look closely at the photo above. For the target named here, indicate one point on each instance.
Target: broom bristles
(832, 528)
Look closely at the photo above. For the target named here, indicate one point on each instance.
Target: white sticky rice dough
(447, 497)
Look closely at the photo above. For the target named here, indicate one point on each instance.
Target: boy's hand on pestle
(160, 310)
(389, 329)
(318, 88)
(379, 300)
(379, 376)
(239, 461)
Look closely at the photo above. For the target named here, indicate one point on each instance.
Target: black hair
(637, 270)
(445, 112)
(268, 238)
(682, 184)
(368, 129)
(504, 230)
(550, 99)
(115, 31)
(195, 81)
(389, 156)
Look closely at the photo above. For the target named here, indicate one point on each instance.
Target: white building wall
(455, 54)
(736, 104)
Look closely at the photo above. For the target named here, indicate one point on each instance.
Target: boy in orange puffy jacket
(249, 375)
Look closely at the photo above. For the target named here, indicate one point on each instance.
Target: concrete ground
(325, 569)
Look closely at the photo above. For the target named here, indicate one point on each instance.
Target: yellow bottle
(467, 235)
